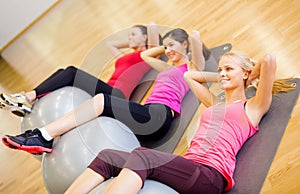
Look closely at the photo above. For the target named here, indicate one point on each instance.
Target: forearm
(255, 73)
(201, 76)
(266, 74)
(115, 46)
(198, 61)
(153, 35)
(195, 80)
(149, 56)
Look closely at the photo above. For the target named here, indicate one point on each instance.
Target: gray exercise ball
(150, 187)
(53, 106)
(77, 148)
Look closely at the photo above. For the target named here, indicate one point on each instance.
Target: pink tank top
(129, 70)
(169, 88)
(223, 130)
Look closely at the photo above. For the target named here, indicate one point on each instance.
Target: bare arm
(153, 35)
(196, 80)
(258, 105)
(150, 57)
(198, 61)
(115, 46)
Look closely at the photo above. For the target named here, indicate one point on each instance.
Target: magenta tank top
(169, 88)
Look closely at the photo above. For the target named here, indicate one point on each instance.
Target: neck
(234, 95)
(139, 48)
(183, 60)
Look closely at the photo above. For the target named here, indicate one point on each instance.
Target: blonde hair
(246, 63)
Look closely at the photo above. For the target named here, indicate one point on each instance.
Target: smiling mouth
(224, 80)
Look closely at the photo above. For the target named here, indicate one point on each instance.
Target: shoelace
(28, 133)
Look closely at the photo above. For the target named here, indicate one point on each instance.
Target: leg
(126, 182)
(141, 119)
(108, 163)
(31, 95)
(88, 180)
(36, 141)
(85, 112)
(72, 76)
(182, 174)
(147, 122)
(22, 102)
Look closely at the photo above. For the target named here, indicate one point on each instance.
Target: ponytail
(283, 85)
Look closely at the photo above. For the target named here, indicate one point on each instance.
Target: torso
(223, 130)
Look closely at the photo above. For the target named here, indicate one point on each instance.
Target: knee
(98, 101)
(99, 98)
(104, 153)
(139, 151)
(104, 156)
(71, 68)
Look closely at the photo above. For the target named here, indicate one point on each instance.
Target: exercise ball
(77, 148)
(53, 106)
(150, 187)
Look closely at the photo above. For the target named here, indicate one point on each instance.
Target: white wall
(17, 15)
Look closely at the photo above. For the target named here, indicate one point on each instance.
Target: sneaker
(15, 110)
(31, 141)
(18, 100)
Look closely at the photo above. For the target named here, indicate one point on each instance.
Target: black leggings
(147, 122)
(183, 175)
(72, 76)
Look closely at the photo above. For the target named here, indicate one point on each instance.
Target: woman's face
(136, 38)
(174, 49)
(231, 74)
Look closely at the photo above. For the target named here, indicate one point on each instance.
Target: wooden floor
(68, 31)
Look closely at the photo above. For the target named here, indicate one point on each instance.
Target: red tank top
(129, 70)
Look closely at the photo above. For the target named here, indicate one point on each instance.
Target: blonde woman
(209, 163)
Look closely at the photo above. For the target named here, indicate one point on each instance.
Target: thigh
(71, 76)
(109, 163)
(189, 177)
(177, 172)
(145, 121)
(93, 85)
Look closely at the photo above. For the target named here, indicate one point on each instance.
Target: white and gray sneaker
(16, 103)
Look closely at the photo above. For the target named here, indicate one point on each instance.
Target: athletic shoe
(31, 141)
(15, 110)
(18, 100)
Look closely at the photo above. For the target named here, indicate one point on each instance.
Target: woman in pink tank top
(149, 121)
(208, 165)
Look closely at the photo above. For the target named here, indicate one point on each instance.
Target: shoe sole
(36, 150)
(18, 113)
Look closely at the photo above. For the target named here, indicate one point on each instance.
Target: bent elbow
(187, 76)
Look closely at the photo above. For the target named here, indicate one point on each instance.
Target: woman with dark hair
(129, 69)
(149, 121)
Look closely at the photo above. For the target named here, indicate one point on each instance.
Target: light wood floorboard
(70, 29)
